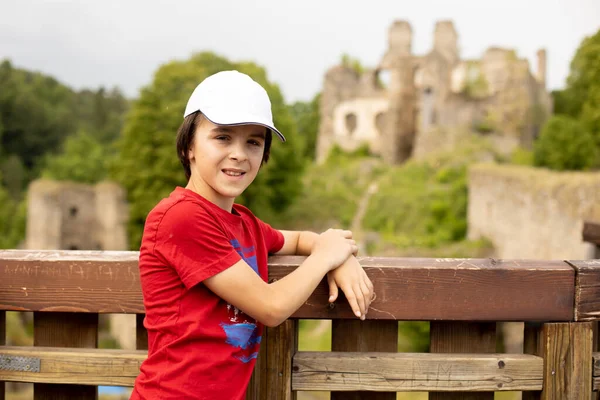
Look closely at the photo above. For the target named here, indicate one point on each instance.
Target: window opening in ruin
(380, 123)
(428, 112)
(350, 123)
(73, 211)
(73, 247)
(382, 79)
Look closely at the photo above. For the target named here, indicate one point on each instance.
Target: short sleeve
(194, 243)
(273, 238)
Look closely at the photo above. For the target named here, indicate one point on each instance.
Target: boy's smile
(224, 160)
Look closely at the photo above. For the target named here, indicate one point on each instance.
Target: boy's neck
(209, 194)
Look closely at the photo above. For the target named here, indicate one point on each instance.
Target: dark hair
(185, 138)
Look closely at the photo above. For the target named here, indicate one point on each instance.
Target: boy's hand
(334, 246)
(356, 285)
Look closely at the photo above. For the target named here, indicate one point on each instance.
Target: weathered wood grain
(416, 372)
(2, 342)
(568, 368)
(65, 330)
(463, 337)
(364, 336)
(77, 366)
(272, 376)
(587, 289)
(407, 289)
(591, 232)
(311, 370)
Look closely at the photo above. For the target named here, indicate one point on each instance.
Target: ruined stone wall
(532, 213)
(74, 216)
(339, 85)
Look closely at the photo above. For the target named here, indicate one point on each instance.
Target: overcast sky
(122, 42)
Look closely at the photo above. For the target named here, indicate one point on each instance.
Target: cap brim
(249, 121)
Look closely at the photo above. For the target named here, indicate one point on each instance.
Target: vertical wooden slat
(65, 330)
(2, 342)
(533, 343)
(595, 394)
(141, 334)
(567, 352)
(462, 337)
(370, 335)
(272, 377)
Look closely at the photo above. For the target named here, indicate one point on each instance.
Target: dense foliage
(565, 144)
(579, 107)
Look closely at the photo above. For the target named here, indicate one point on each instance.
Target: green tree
(584, 77)
(35, 114)
(84, 159)
(147, 164)
(565, 144)
(307, 118)
(12, 220)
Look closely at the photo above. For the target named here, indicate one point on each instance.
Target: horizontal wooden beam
(591, 232)
(406, 288)
(409, 372)
(587, 289)
(311, 370)
(76, 366)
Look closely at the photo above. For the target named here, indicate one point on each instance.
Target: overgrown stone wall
(531, 212)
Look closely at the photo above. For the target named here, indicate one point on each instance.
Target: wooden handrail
(406, 288)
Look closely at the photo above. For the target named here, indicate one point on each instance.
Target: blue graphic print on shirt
(241, 333)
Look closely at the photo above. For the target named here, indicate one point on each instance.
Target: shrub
(565, 144)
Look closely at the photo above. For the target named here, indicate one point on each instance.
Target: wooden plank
(272, 377)
(2, 343)
(591, 232)
(568, 361)
(463, 337)
(533, 343)
(77, 366)
(364, 336)
(587, 289)
(407, 289)
(596, 364)
(409, 372)
(65, 330)
(70, 281)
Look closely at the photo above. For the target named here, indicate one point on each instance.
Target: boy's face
(224, 160)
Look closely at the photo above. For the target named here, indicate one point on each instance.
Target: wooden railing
(463, 298)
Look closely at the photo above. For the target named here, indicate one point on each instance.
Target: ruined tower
(399, 128)
(75, 216)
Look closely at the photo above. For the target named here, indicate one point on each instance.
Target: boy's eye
(222, 137)
(254, 142)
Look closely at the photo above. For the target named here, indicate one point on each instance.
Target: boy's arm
(298, 243)
(273, 303)
(350, 276)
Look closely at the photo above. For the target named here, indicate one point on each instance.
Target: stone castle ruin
(75, 216)
(429, 101)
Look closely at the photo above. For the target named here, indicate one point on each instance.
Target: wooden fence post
(567, 352)
(362, 336)
(2, 342)
(462, 337)
(272, 377)
(63, 329)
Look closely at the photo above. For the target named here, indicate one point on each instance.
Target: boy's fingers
(353, 303)
(360, 298)
(333, 289)
(366, 294)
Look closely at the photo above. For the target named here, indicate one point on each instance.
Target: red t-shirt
(199, 347)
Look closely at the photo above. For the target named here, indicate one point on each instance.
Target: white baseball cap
(232, 98)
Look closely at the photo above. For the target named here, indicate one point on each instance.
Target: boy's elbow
(274, 316)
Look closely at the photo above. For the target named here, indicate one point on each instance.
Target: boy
(203, 259)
